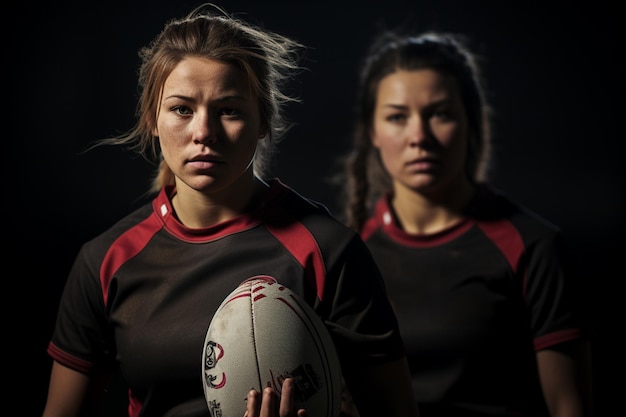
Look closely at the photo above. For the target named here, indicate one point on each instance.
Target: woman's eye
(182, 110)
(229, 111)
(443, 115)
(397, 117)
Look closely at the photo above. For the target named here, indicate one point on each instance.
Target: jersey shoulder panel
(491, 204)
(102, 242)
(315, 216)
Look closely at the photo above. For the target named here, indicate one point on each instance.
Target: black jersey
(141, 295)
(474, 303)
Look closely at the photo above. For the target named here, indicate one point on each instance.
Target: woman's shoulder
(312, 214)
(295, 200)
(493, 204)
(136, 216)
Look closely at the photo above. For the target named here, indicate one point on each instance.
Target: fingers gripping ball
(261, 334)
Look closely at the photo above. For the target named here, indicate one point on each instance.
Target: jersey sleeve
(362, 321)
(549, 291)
(81, 339)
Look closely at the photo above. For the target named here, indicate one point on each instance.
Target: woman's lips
(421, 164)
(200, 164)
(203, 162)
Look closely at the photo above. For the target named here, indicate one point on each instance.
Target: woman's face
(420, 128)
(208, 124)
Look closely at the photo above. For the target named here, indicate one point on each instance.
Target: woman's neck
(428, 213)
(198, 209)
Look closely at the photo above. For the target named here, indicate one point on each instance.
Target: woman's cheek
(390, 142)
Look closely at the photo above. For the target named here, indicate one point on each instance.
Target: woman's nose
(417, 131)
(203, 130)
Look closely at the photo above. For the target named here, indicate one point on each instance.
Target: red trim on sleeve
(552, 339)
(68, 360)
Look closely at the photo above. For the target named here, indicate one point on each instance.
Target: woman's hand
(265, 404)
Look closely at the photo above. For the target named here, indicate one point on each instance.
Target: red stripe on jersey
(508, 239)
(134, 405)
(369, 228)
(300, 242)
(125, 247)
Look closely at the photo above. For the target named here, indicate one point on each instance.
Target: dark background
(555, 80)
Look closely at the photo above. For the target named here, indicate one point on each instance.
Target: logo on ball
(214, 353)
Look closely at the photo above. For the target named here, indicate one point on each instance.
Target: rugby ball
(261, 334)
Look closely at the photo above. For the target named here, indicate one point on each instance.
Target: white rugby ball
(262, 333)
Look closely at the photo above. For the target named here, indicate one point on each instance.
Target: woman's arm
(565, 376)
(73, 394)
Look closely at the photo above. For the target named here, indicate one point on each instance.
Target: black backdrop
(555, 80)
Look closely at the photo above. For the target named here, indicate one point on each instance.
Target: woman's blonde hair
(268, 59)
